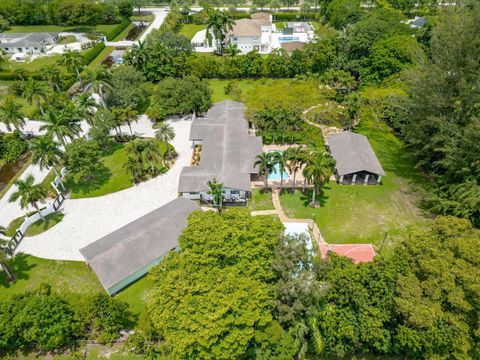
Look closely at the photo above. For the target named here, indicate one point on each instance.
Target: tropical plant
(218, 25)
(82, 159)
(280, 158)
(296, 159)
(233, 50)
(164, 132)
(72, 60)
(11, 114)
(61, 124)
(153, 154)
(86, 107)
(4, 254)
(53, 76)
(133, 167)
(97, 80)
(46, 152)
(28, 193)
(318, 169)
(216, 190)
(125, 116)
(265, 166)
(34, 92)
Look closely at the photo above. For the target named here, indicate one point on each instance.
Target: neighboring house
(356, 252)
(29, 43)
(252, 34)
(356, 162)
(127, 254)
(228, 154)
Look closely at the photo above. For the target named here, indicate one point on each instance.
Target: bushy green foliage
(117, 30)
(179, 97)
(12, 147)
(128, 88)
(91, 54)
(82, 159)
(213, 299)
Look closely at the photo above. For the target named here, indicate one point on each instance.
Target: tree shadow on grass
(100, 178)
(320, 199)
(20, 269)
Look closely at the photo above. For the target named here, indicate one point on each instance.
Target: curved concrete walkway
(87, 220)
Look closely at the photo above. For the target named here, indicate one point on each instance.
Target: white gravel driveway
(87, 220)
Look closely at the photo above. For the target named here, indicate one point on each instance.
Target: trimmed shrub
(117, 30)
(91, 54)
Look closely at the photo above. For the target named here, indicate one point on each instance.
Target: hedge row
(279, 16)
(117, 30)
(91, 54)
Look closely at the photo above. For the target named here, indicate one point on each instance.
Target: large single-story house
(227, 154)
(125, 255)
(29, 43)
(356, 162)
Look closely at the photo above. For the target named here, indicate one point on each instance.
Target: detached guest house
(227, 154)
(356, 162)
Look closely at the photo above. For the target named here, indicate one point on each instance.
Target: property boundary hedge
(117, 30)
(91, 54)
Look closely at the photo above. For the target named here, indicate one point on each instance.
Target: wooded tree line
(239, 290)
(63, 12)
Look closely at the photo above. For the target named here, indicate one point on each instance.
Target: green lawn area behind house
(34, 65)
(260, 200)
(189, 30)
(363, 214)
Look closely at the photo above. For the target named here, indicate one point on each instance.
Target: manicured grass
(189, 30)
(260, 200)
(67, 39)
(103, 28)
(34, 65)
(68, 279)
(36, 228)
(279, 25)
(363, 214)
(218, 88)
(110, 178)
(142, 17)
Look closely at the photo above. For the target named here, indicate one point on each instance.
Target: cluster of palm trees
(317, 167)
(277, 120)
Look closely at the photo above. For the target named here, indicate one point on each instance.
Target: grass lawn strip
(36, 228)
(189, 30)
(101, 57)
(260, 200)
(103, 28)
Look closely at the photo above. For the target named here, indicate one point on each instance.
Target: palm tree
(53, 76)
(86, 107)
(164, 132)
(134, 150)
(219, 23)
(152, 153)
(133, 167)
(34, 92)
(97, 79)
(216, 190)
(4, 256)
(11, 115)
(60, 124)
(265, 166)
(280, 158)
(125, 115)
(318, 169)
(46, 152)
(28, 193)
(137, 56)
(296, 159)
(72, 60)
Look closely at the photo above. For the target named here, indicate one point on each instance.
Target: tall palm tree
(133, 167)
(219, 23)
(152, 153)
(296, 159)
(164, 132)
(72, 60)
(280, 158)
(125, 115)
(11, 115)
(265, 166)
(137, 56)
(53, 76)
(216, 190)
(34, 92)
(86, 107)
(60, 124)
(318, 170)
(28, 193)
(4, 256)
(97, 80)
(46, 152)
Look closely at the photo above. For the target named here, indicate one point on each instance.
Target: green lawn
(218, 88)
(124, 33)
(68, 279)
(110, 178)
(279, 25)
(67, 39)
(189, 30)
(103, 28)
(362, 214)
(37, 227)
(260, 200)
(34, 65)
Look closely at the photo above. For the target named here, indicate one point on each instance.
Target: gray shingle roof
(228, 152)
(353, 153)
(26, 39)
(132, 247)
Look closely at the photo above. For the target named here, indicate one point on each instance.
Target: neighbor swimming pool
(275, 176)
(293, 229)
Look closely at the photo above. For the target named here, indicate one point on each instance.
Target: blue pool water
(284, 39)
(276, 174)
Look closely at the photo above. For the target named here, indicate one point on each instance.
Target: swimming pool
(293, 229)
(284, 39)
(275, 175)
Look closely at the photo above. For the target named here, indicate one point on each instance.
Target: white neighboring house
(28, 43)
(228, 155)
(253, 34)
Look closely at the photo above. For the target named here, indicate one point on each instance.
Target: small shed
(126, 254)
(356, 162)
